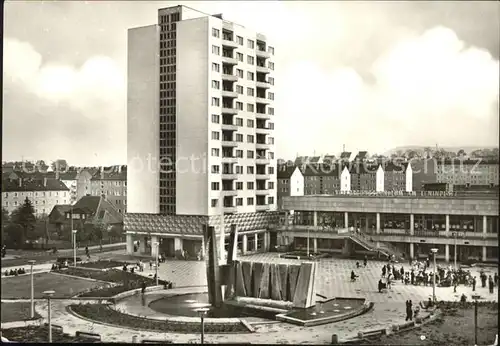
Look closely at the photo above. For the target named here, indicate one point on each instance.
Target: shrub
(103, 313)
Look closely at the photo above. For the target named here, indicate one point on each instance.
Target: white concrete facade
(409, 178)
(143, 120)
(379, 179)
(297, 183)
(345, 180)
(192, 123)
(200, 40)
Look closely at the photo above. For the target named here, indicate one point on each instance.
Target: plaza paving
(333, 280)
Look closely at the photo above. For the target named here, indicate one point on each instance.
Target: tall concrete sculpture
(286, 282)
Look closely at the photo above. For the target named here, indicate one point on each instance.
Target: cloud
(424, 89)
(427, 89)
(52, 103)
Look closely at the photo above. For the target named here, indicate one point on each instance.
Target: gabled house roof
(285, 171)
(364, 169)
(98, 207)
(390, 166)
(329, 158)
(362, 155)
(321, 170)
(58, 213)
(30, 184)
(111, 173)
(346, 155)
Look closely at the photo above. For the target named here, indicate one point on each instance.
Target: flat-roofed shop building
(410, 223)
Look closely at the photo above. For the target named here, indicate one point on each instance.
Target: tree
(14, 236)
(116, 232)
(428, 152)
(24, 216)
(461, 153)
(5, 223)
(59, 165)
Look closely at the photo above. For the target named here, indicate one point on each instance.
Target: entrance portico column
(245, 244)
(202, 247)
(412, 250)
(346, 219)
(484, 254)
(485, 224)
(315, 245)
(447, 224)
(447, 253)
(154, 248)
(142, 245)
(315, 218)
(130, 243)
(378, 223)
(256, 240)
(266, 241)
(412, 224)
(178, 244)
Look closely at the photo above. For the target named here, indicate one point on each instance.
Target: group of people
(4, 251)
(353, 274)
(420, 274)
(15, 272)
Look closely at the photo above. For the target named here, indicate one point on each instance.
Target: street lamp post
(31, 263)
(49, 294)
(202, 312)
(475, 297)
(455, 250)
(307, 242)
(74, 247)
(157, 247)
(434, 251)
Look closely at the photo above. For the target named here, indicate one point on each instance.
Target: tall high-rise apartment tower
(200, 117)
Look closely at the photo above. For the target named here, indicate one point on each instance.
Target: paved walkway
(383, 316)
(333, 280)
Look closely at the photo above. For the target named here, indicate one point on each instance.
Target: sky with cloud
(370, 75)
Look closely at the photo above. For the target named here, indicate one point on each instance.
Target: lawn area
(35, 334)
(455, 328)
(104, 264)
(125, 280)
(65, 287)
(16, 312)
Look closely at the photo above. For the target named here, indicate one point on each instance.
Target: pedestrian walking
(409, 311)
(491, 284)
(150, 265)
(495, 279)
(365, 262)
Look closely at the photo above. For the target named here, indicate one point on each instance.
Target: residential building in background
(88, 209)
(44, 193)
(199, 87)
(321, 179)
(363, 177)
(111, 183)
(78, 182)
(468, 172)
(290, 182)
(395, 176)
